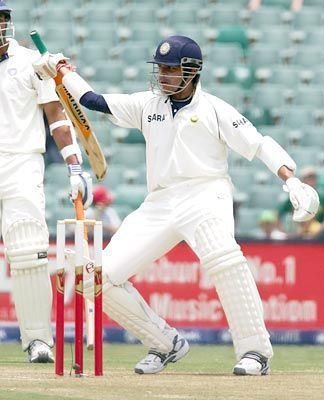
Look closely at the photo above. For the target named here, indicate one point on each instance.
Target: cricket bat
(96, 159)
(78, 118)
(89, 305)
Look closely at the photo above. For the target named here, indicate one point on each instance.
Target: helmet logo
(165, 48)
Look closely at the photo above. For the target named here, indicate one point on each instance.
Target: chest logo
(156, 117)
(12, 71)
(194, 118)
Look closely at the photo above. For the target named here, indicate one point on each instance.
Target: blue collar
(176, 105)
(4, 57)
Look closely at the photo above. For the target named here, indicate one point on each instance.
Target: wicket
(79, 301)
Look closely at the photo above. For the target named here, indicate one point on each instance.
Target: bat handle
(41, 47)
(79, 212)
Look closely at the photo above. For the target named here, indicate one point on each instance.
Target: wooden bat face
(78, 112)
(83, 128)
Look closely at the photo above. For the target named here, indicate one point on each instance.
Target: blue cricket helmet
(178, 50)
(4, 7)
(7, 31)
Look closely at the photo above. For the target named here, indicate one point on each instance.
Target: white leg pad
(26, 244)
(127, 307)
(221, 256)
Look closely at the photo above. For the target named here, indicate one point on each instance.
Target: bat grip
(79, 213)
(41, 47)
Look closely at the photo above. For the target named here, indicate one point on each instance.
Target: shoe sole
(42, 358)
(242, 372)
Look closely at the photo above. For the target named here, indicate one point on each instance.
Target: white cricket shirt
(21, 118)
(192, 144)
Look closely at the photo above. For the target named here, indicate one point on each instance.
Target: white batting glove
(304, 199)
(80, 182)
(45, 66)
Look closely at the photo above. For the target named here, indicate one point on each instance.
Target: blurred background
(265, 57)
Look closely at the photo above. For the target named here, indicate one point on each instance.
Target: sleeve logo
(240, 122)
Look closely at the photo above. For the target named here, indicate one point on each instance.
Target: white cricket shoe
(252, 363)
(39, 352)
(155, 361)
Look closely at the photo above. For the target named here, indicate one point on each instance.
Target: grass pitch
(205, 374)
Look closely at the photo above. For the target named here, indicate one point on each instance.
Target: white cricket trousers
(21, 189)
(165, 218)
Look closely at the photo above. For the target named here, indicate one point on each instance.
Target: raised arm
(60, 129)
(49, 65)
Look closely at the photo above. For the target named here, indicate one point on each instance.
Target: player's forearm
(63, 138)
(84, 94)
(60, 129)
(285, 173)
(76, 85)
(65, 70)
(64, 141)
(95, 102)
(275, 157)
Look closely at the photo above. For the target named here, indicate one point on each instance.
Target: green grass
(297, 374)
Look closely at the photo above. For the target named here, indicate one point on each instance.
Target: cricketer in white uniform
(188, 133)
(22, 204)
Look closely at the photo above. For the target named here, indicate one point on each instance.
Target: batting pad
(26, 244)
(32, 293)
(127, 307)
(26, 249)
(221, 256)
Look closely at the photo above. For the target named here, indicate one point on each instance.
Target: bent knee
(116, 273)
(26, 244)
(216, 247)
(107, 284)
(116, 278)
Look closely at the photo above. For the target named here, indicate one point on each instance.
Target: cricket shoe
(252, 363)
(39, 352)
(155, 361)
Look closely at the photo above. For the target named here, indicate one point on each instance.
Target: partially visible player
(23, 99)
(103, 210)
(188, 133)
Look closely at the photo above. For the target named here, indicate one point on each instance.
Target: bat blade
(85, 133)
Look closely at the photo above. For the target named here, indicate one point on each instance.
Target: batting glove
(80, 182)
(46, 66)
(304, 199)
